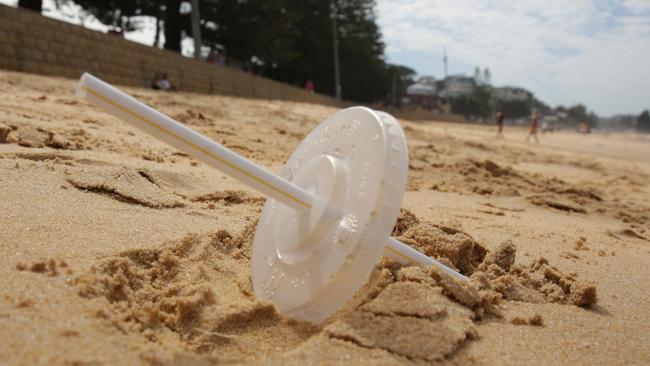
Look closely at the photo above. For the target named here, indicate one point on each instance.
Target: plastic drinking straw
(146, 118)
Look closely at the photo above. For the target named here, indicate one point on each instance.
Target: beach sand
(117, 249)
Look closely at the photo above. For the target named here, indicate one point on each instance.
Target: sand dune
(117, 249)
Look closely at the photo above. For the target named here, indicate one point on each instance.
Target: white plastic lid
(309, 263)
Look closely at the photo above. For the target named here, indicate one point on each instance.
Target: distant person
(164, 83)
(154, 82)
(161, 82)
(309, 86)
(500, 117)
(533, 127)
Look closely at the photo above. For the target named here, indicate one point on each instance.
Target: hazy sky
(565, 51)
(594, 52)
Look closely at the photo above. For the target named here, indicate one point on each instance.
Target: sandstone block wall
(33, 43)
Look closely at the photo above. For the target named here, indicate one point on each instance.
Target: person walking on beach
(309, 86)
(500, 117)
(533, 127)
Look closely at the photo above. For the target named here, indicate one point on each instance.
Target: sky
(578, 51)
(594, 52)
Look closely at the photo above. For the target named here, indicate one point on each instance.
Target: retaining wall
(33, 43)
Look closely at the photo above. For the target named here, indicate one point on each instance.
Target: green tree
(293, 41)
(540, 106)
(402, 76)
(313, 45)
(287, 40)
(478, 104)
(121, 16)
(483, 97)
(34, 5)
(515, 108)
(364, 73)
(175, 23)
(579, 113)
(643, 121)
(266, 30)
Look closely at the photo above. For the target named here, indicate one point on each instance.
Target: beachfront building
(511, 94)
(458, 86)
(424, 93)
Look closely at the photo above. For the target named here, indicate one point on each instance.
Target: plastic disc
(309, 263)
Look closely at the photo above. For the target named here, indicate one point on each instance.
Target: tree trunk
(156, 38)
(35, 5)
(196, 29)
(173, 26)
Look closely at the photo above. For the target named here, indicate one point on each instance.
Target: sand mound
(401, 315)
(196, 289)
(537, 282)
(125, 184)
(406, 313)
(38, 137)
(495, 271)
(405, 220)
(446, 243)
(408, 336)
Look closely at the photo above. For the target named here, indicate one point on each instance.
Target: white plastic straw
(121, 105)
(404, 254)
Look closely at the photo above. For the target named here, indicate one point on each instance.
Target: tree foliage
(579, 113)
(478, 104)
(291, 41)
(34, 5)
(515, 108)
(287, 40)
(175, 23)
(575, 114)
(643, 121)
(119, 14)
(262, 30)
(402, 77)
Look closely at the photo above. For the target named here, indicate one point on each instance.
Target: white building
(457, 86)
(423, 93)
(511, 94)
(421, 89)
(427, 80)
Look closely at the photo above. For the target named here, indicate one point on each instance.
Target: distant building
(458, 86)
(427, 80)
(423, 93)
(421, 89)
(511, 94)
